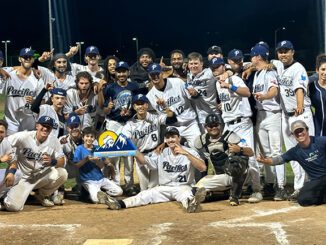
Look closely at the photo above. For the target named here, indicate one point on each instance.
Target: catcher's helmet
(214, 118)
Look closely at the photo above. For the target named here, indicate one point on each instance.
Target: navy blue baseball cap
(284, 45)
(216, 62)
(141, 98)
(154, 68)
(73, 120)
(171, 131)
(122, 66)
(26, 52)
(235, 54)
(1, 55)
(59, 91)
(259, 50)
(92, 50)
(262, 43)
(214, 50)
(46, 120)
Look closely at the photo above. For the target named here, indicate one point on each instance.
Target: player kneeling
(90, 174)
(175, 166)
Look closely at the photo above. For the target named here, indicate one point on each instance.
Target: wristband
(11, 171)
(233, 88)
(54, 162)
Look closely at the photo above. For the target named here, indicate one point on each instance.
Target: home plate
(108, 242)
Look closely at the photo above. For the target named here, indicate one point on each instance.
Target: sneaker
(281, 195)
(58, 199)
(112, 203)
(294, 195)
(194, 203)
(234, 201)
(255, 197)
(45, 201)
(102, 197)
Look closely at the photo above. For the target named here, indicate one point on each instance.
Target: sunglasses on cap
(213, 125)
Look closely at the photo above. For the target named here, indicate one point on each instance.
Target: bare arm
(299, 94)
(247, 151)
(198, 163)
(272, 92)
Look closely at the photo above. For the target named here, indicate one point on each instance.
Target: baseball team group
(202, 126)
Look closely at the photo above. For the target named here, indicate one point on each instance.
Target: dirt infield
(218, 223)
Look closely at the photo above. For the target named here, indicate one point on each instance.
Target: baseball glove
(236, 166)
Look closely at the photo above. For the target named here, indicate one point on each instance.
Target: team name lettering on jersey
(224, 97)
(29, 154)
(123, 99)
(259, 88)
(202, 82)
(286, 81)
(11, 91)
(174, 169)
(170, 101)
(139, 134)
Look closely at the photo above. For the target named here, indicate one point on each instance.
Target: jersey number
(202, 92)
(154, 137)
(227, 107)
(180, 109)
(289, 92)
(182, 178)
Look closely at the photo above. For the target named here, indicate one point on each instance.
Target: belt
(235, 121)
(148, 151)
(289, 114)
(272, 111)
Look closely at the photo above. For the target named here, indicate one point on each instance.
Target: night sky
(161, 25)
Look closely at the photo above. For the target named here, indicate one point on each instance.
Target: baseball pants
(289, 141)
(190, 132)
(128, 161)
(94, 186)
(246, 131)
(268, 128)
(218, 182)
(3, 188)
(161, 194)
(46, 184)
(148, 178)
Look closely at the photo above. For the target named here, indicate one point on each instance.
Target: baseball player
(117, 106)
(82, 99)
(201, 86)
(41, 161)
(7, 156)
(20, 90)
(295, 103)
(236, 113)
(55, 111)
(218, 150)
(90, 173)
(171, 92)
(175, 166)
(144, 130)
(265, 91)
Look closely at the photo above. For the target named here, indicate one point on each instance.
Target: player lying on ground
(310, 152)
(175, 167)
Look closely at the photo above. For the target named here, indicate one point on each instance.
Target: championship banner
(113, 145)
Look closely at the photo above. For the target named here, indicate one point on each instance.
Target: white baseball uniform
(292, 78)
(176, 178)
(177, 99)
(17, 112)
(268, 125)
(34, 175)
(145, 134)
(236, 113)
(205, 84)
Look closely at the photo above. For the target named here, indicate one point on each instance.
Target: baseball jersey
(48, 110)
(70, 147)
(290, 79)
(121, 97)
(6, 148)
(74, 102)
(29, 152)
(173, 170)
(145, 133)
(76, 68)
(206, 101)
(176, 98)
(233, 105)
(17, 112)
(263, 81)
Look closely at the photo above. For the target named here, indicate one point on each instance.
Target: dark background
(163, 26)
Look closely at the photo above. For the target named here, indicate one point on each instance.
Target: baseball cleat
(294, 196)
(193, 205)
(112, 203)
(255, 197)
(45, 201)
(102, 197)
(281, 195)
(58, 199)
(234, 201)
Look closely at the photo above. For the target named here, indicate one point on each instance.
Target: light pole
(50, 24)
(6, 50)
(136, 40)
(79, 44)
(275, 34)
